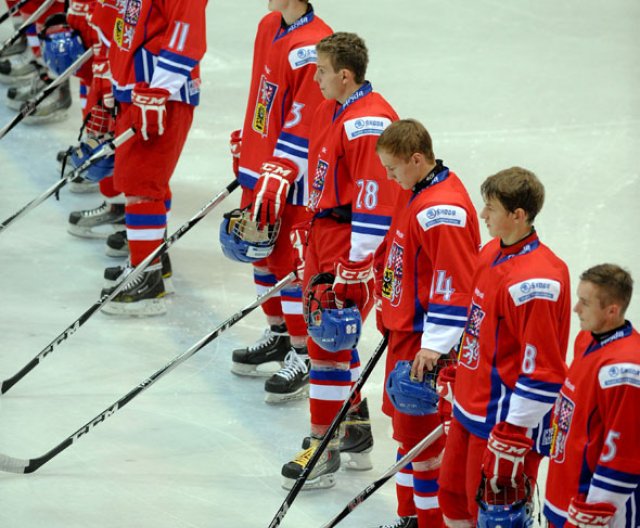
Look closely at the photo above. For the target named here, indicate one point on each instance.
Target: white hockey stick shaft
(13, 9)
(30, 20)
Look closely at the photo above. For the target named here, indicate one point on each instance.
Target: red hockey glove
(148, 111)
(299, 237)
(78, 18)
(101, 90)
(235, 145)
(589, 514)
(503, 460)
(354, 282)
(270, 193)
(444, 386)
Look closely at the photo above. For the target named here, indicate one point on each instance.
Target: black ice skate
(113, 274)
(117, 244)
(402, 522)
(143, 297)
(291, 382)
(53, 108)
(322, 475)
(256, 359)
(99, 222)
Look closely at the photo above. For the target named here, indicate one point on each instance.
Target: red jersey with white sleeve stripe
(512, 355)
(595, 448)
(160, 42)
(347, 173)
(282, 98)
(431, 253)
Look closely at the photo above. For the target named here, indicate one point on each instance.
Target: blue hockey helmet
(509, 508)
(242, 240)
(61, 45)
(76, 156)
(330, 327)
(409, 396)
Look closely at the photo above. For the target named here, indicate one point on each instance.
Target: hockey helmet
(99, 169)
(330, 327)
(409, 396)
(242, 240)
(509, 508)
(61, 45)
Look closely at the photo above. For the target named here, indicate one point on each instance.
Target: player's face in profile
(593, 317)
(498, 220)
(329, 81)
(405, 172)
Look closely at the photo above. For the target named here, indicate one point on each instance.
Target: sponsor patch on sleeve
(300, 57)
(365, 126)
(525, 291)
(619, 374)
(448, 215)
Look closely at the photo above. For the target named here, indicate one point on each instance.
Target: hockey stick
(23, 27)
(378, 483)
(30, 106)
(12, 10)
(16, 465)
(306, 471)
(160, 250)
(107, 149)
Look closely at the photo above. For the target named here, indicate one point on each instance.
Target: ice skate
(143, 297)
(53, 108)
(99, 222)
(117, 244)
(260, 358)
(322, 475)
(17, 69)
(291, 382)
(402, 522)
(19, 94)
(113, 274)
(78, 184)
(19, 47)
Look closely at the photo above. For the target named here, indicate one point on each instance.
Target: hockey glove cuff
(503, 460)
(444, 387)
(149, 113)
(589, 514)
(354, 282)
(235, 146)
(270, 193)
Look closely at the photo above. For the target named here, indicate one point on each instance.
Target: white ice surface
(552, 86)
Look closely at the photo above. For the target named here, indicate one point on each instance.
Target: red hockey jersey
(103, 19)
(346, 169)
(160, 42)
(512, 355)
(282, 98)
(431, 253)
(596, 436)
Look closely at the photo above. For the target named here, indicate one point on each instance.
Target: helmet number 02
(351, 329)
(367, 194)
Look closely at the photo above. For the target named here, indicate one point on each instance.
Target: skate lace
(96, 211)
(293, 366)
(268, 337)
(399, 523)
(303, 457)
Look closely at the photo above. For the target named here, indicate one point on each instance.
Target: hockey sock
(425, 489)
(146, 224)
(264, 280)
(83, 92)
(404, 488)
(291, 302)
(32, 40)
(328, 388)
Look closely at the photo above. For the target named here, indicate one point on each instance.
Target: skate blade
(16, 80)
(92, 232)
(116, 253)
(13, 104)
(301, 394)
(82, 188)
(45, 120)
(356, 461)
(263, 370)
(146, 308)
(321, 482)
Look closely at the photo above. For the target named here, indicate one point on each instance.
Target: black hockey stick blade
(108, 148)
(355, 390)
(160, 250)
(23, 27)
(379, 482)
(30, 106)
(16, 465)
(7, 14)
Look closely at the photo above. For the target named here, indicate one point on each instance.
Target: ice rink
(551, 86)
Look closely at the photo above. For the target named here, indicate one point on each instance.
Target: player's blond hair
(515, 188)
(404, 138)
(615, 285)
(346, 51)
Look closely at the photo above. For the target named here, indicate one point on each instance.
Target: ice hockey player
(512, 355)
(154, 57)
(352, 201)
(595, 454)
(271, 164)
(428, 260)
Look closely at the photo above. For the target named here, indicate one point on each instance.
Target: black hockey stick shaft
(379, 482)
(15, 465)
(5, 16)
(107, 149)
(30, 106)
(23, 27)
(355, 390)
(160, 250)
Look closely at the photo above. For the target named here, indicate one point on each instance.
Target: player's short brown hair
(614, 283)
(404, 138)
(346, 51)
(515, 188)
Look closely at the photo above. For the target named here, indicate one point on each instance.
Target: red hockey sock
(146, 225)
